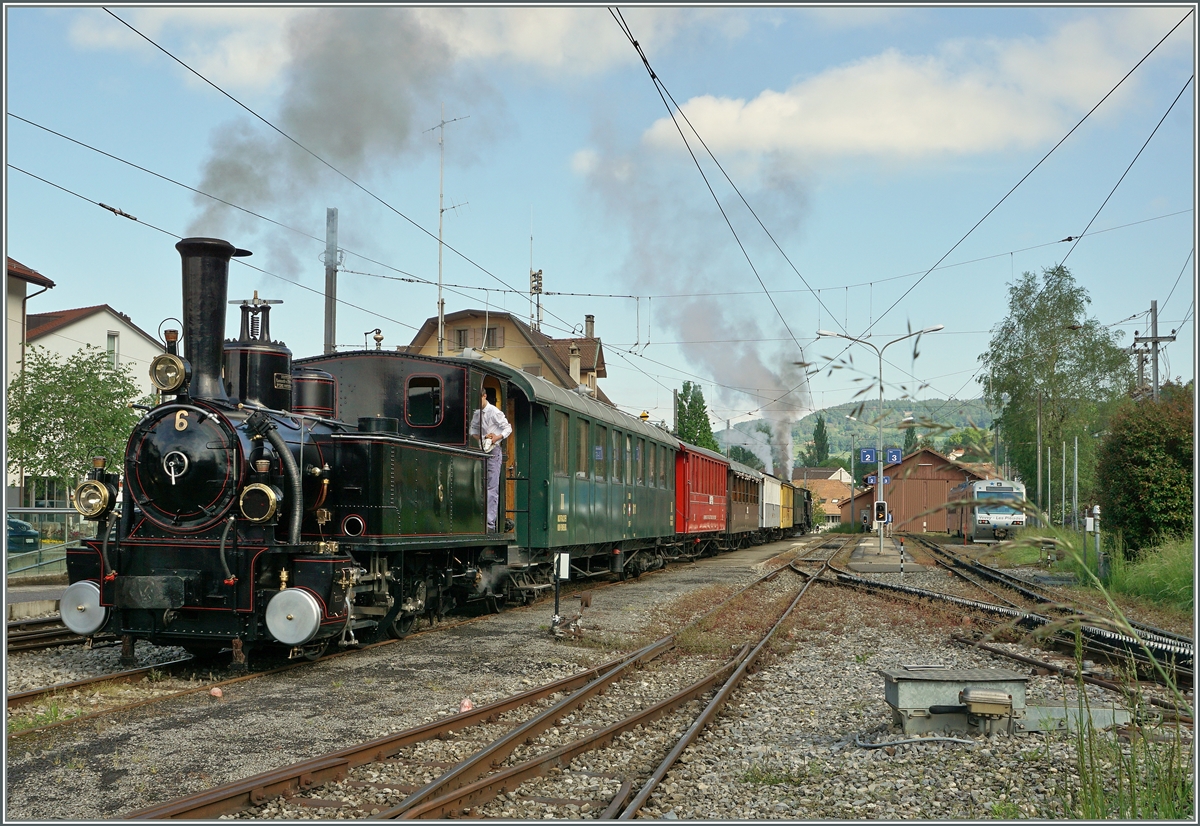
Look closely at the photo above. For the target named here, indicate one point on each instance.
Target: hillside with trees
(937, 420)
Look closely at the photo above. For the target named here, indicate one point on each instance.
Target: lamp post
(879, 444)
(853, 515)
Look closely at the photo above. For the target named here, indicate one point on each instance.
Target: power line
(324, 162)
(1153, 132)
(176, 236)
(661, 88)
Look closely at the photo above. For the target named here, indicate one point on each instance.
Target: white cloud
(973, 96)
(241, 48)
(584, 161)
(250, 47)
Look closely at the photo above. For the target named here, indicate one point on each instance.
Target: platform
(867, 558)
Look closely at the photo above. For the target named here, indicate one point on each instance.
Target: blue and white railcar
(989, 510)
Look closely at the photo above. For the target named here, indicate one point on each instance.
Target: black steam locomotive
(340, 498)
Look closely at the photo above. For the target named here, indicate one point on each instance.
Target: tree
(747, 457)
(1145, 469)
(910, 440)
(694, 426)
(61, 413)
(1048, 347)
(820, 449)
(975, 442)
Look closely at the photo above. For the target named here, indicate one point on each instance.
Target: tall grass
(1163, 575)
(1148, 774)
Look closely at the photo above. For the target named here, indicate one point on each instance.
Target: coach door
(581, 481)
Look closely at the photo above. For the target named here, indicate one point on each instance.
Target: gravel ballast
(784, 748)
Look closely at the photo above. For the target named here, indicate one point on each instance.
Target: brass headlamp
(169, 372)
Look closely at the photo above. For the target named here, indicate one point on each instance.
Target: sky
(863, 163)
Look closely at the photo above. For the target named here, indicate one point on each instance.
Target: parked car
(22, 536)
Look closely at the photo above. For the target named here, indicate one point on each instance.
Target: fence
(59, 528)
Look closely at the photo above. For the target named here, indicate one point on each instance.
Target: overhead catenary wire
(412, 278)
(317, 157)
(1014, 188)
(663, 94)
(239, 261)
(1137, 155)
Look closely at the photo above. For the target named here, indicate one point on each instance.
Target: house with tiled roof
(568, 362)
(65, 332)
(21, 279)
(801, 474)
(828, 496)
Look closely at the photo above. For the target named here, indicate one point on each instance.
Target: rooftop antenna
(535, 282)
(441, 211)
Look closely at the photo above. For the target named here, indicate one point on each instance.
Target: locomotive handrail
(392, 437)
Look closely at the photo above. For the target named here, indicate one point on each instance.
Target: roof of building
(555, 351)
(18, 270)
(39, 325)
(826, 490)
(800, 473)
(966, 468)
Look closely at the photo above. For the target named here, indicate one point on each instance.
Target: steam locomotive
(271, 502)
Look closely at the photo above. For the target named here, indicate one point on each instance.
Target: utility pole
(1153, 340)
(331, 265)
(441, 127)
(1039, 449)
(1064, 485)
(1075, 490)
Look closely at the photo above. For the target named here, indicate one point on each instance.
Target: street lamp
(879, 445)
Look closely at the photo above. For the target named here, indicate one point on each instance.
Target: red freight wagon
(701, 490)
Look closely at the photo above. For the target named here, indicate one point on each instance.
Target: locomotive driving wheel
(402, 626)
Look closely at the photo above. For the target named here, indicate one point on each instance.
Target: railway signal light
(881, 511)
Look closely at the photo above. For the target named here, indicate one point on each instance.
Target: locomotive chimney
(205, 287)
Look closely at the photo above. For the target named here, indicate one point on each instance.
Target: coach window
(423, 407)
(583, 446)
(618, 472)
(651, 449)
(629, 457)
(639, 459)
(601, 469)
(561, 423)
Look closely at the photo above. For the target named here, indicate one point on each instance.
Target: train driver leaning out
(491, 427)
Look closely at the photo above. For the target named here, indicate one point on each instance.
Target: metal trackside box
(925, 699)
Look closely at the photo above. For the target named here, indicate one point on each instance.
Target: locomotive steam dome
(181, 467)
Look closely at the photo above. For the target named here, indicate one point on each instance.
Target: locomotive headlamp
(260, 502)
(93, 499)
(169, 372)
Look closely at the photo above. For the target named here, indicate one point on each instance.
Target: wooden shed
(919, 485)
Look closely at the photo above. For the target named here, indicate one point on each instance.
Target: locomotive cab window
(423, 401)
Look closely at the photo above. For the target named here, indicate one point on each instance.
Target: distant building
(67, 331)
(799, 474)
(828, 497)
(20, 279)
(568, 362)
(918, 489)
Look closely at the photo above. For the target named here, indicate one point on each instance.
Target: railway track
(45, 632)
(1043, 597)
(1175, 653)
(168, 674)
(530, 755)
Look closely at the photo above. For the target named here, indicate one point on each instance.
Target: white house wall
(134, 349)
